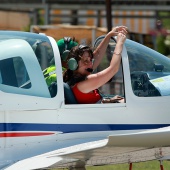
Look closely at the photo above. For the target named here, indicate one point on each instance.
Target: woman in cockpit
(82, 61)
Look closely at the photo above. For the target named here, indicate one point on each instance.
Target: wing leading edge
(122, 148)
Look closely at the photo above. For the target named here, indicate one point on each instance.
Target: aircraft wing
(122, 148)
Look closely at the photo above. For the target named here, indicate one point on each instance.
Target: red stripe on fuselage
(24, 134)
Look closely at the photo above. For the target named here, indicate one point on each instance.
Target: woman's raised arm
(94, 81)
(101, 49)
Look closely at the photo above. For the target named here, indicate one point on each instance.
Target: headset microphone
(90, 70)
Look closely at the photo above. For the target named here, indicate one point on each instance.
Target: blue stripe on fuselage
(71, 128)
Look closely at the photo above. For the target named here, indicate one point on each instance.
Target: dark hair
(77, 51)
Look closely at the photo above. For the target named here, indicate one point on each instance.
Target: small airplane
(38, 130)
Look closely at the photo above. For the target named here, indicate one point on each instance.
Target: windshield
(150, 71)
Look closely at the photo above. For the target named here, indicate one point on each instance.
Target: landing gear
(76, 168)
(130, 166)
(80, 165)
(161, 165)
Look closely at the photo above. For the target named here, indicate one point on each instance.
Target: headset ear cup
(72, 64)
(65, 55)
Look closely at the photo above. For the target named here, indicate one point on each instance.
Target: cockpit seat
(69, 96)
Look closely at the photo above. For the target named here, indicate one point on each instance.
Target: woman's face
(85, 63)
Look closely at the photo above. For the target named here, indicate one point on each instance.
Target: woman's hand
(115, 99)
(119, 29)
(121, 38)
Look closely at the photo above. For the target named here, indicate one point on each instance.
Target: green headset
(72, 62)
(66, 51)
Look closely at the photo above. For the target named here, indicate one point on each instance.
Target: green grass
(150, 165)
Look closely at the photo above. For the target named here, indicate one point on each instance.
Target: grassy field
(150, 165)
